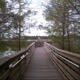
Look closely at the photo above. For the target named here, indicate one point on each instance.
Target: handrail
(13, 66)
(67, 63)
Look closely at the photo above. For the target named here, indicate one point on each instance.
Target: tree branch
(74, 6)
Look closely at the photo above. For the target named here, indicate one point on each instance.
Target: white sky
(36, 5)
(35, 32)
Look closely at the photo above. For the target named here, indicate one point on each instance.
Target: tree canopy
(12, 19)
(64, 24)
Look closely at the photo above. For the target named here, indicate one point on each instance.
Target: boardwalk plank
(41, 67)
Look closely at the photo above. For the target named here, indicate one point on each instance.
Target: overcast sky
(36, 5)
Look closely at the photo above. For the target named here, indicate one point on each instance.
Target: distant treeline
(35, 37)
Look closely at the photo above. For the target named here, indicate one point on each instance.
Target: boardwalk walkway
(41, 67)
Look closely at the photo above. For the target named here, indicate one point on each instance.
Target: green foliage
(24, 42)
(3, 47)
(60, 28)
(3, 5)
(11, 23)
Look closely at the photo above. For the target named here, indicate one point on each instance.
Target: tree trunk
(63, 37)
(69, 49)
(19, 37)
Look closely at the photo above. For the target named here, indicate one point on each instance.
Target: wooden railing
(66, 62)
(12, 67)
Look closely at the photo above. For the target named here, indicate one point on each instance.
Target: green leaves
(12, 14)
(2, 5)
(60, 13)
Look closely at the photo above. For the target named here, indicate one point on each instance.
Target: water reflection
(6, 53)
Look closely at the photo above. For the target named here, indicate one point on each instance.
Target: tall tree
(12, 14)
(63, 18)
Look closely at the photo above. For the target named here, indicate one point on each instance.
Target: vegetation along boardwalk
(41, 67)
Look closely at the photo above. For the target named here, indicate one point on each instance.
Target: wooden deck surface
(41, 67)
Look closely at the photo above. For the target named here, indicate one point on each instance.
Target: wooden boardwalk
(41, 67)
